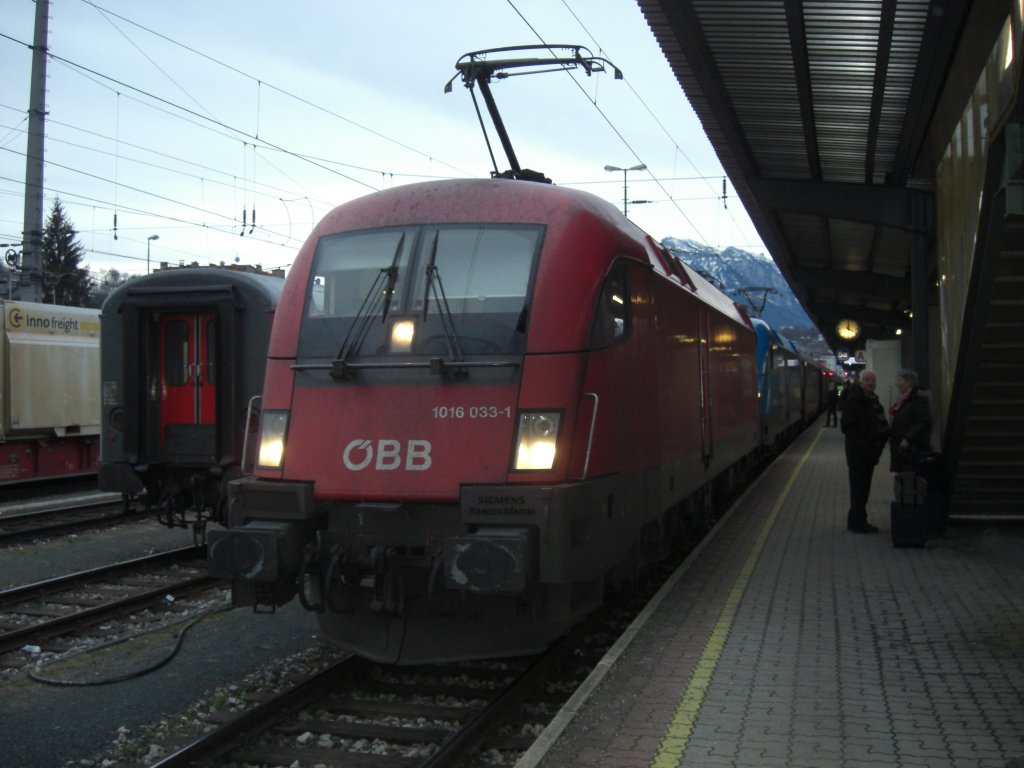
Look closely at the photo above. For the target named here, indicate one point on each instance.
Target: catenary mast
(30, 285)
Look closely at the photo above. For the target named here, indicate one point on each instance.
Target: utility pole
(30, 288)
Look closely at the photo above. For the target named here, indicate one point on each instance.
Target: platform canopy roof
(829, 118)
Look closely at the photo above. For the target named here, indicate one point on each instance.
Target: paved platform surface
(787, 641)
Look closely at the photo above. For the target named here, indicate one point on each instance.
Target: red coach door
(188, 382)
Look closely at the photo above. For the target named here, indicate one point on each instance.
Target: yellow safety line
(677, 736)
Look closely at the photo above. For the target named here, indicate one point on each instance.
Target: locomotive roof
(443, 200)
(511, 201)
(712, 296)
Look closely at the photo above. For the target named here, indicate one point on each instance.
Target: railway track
(61, 519)
(37, 614)
(356, 713)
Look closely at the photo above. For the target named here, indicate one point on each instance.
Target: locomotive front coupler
(388, 584)
(340, 579)
(311, 578)
(263, 548)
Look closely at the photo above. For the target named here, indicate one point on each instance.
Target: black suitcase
(932, 468)
(920, 506)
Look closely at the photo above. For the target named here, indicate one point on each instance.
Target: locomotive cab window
(611, 319)
(436, 287)
(480, 276)
(349, 266)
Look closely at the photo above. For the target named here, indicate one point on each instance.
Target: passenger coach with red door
(182, 356)
(484, 401)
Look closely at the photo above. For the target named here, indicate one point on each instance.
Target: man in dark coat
(866, 430)
(832, 402)
(911, 424)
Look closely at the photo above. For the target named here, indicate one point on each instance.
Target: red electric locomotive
(484, 400)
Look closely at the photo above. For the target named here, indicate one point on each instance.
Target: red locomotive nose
(390, 443)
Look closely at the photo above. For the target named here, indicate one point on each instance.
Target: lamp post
(149, 240)
(625, 172)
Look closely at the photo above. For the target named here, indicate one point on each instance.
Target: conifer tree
(65, 280)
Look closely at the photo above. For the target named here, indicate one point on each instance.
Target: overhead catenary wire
(175, 109)
(206, 195)
(670, 197)
(263, 189)
(607, 120)
(661, 125)
(192, 112)
(282, 91)
(639, 98)
(227, 228)
(147, 57)
(203, 167)
(139, 190)
(117, 206)
(268, 192)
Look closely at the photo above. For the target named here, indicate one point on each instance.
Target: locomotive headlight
(536, 440)
(273, 430)
(402, 333)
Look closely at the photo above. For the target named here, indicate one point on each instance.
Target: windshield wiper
(433, 283)
(370, 306)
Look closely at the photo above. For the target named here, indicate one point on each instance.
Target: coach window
(611, 320)
(176, 353)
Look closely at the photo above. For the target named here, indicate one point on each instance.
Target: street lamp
(625, 171)
(149, 240)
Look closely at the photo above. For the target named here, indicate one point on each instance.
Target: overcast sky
(184, 117)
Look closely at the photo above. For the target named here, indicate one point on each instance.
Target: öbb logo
(387, 455)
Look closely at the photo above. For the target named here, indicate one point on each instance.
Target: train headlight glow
(536, 440)
(273, 429)
(402, 334)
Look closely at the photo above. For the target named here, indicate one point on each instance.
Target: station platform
(785, 640)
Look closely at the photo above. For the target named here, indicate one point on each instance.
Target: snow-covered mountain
(755, 282)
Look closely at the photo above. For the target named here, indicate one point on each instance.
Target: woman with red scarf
(911, 424)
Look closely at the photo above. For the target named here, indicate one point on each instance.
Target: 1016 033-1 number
(472, 412)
